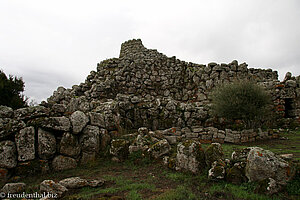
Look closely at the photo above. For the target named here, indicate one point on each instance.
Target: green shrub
(241, 100)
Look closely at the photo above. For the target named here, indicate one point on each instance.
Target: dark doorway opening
(288, 108)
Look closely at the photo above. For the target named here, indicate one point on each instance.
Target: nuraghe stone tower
(141, 88)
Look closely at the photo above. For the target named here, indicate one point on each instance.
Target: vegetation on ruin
(241, 100)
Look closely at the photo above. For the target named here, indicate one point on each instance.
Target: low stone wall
(34, 141)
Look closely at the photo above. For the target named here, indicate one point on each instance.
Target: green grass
(122, 185)
(133, 195)
(180, 193)
(140, 178)
(238, 192)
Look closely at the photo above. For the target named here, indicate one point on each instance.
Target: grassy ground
(142, 179)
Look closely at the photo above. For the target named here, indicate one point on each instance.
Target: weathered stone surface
(69, 145)
(213, 153)
(190, 156)
(81, 103)
(78, 120)
(60, 163)
(25, 142)
(171, 139)
(59, 108)
(53, 188)
(8, 154)
(57, 124)
(236, 174)
(159, 149)
(119, 148)
(241, 155)
(6, 112)
(77, 182)
(263, 164)
(13, 188)
(46, 144)
(74, 183)
(9, 127)
(31, 112)
(90, 139)
(97, 119)
(109, 110)
(217, 170)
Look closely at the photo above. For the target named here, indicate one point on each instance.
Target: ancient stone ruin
(141, 88)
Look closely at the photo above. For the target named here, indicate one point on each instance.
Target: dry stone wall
(141, 88)
(147, 88)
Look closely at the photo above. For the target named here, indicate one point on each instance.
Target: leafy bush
(241, 100)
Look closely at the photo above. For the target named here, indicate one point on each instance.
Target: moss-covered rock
(263, 164)
(159, 149)
(119, 148)
(236, 174)
(217, 170)
(190, 156)
(212, 153)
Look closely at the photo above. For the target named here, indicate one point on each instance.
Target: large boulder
(56, 124)
(61, 163)
(77, 182)
(74, 182)
(109, 110)
(69, 145)
(159, 149)
(78, 120)
(46, 144)
(213, 153)
(90, 139)
(53, 189)
(263, 164)
(190, 156)
(8, 154)
(25, 141)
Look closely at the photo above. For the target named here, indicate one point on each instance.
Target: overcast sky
(53, 43)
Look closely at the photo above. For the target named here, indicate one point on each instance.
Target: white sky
(53, 43)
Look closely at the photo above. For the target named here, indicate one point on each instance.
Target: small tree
(11, 89)
(241, 100)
